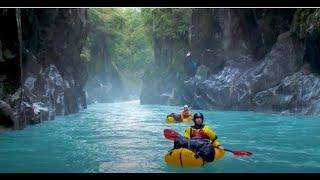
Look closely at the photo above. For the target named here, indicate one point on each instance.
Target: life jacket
(185, 114)
(198, 134)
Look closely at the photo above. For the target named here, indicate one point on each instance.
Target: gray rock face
(52, 77)
(298, 93)
(254, 59)
(235, 87)
(44, 101)
(6, 115)
(53, 73)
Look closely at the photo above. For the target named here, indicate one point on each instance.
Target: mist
(118, 49)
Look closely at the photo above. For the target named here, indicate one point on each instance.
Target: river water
(128, 137)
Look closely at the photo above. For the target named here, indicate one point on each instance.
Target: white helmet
(185, 106)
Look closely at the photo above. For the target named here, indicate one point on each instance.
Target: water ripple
(127, 137)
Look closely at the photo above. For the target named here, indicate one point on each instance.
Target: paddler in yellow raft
(185, 116)
(201, 131)
(199, 146)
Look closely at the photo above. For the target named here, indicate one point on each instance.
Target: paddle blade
(241, 153)
(170, 134)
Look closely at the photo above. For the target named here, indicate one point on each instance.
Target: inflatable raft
(175, 118)
(184, 157)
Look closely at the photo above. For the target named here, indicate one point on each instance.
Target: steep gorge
(250, 59)
(44, 72)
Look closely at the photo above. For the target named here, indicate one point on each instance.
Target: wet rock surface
(43, 75)
(253, 59)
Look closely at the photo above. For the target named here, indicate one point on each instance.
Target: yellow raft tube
(171, 119)
(175, 118)
(184, 157)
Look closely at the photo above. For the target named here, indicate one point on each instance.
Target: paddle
(172, 135)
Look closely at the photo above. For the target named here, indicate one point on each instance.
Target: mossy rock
(304, 20)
